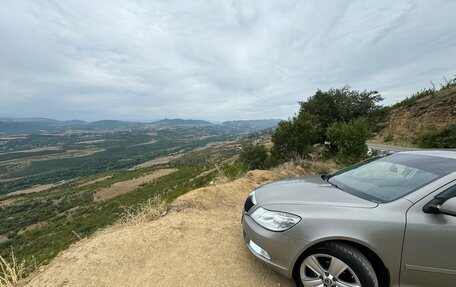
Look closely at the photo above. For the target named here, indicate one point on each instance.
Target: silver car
(388, 221)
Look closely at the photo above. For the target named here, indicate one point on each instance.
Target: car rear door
(429, 250)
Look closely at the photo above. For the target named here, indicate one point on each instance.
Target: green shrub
(254, 157)
(295, 136)
(409, 101)
(273, 160)
(349, 139)
(388, 138)
(444, 138)
(321, 152)
(233, 171)
(343, 105)
(448, 83)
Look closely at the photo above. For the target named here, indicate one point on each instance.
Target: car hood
(310, 190)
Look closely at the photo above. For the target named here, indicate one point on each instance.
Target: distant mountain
(41, 120)
(181, 122)
(10, 126)
(13, 126)
(114, 124)
(75, 122)
(253, 124)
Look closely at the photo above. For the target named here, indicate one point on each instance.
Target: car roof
(450, 154)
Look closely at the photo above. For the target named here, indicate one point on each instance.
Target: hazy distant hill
(181, 122)
(253, 124)
(10, 126)
(113, 124)
(42, 121)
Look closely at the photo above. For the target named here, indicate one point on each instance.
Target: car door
(429, 250)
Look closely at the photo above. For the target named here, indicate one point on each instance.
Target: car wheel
(334, 265)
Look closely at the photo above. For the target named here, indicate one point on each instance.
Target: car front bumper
(273, 248)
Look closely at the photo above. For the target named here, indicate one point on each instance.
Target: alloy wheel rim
(323, 270)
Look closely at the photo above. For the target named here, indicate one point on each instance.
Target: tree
(342, 105)
(295, 136)
(319, 112)
(349, 139)
(254, 157)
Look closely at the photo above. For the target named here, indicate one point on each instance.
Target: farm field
(58, 188)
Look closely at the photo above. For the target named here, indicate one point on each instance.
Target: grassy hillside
(428, 111)
(153, 244)
(56, 189)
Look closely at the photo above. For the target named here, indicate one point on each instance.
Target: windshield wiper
(326, 178)
(335, 185)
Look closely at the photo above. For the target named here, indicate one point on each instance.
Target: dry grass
(6, 202)
(300, 166)
(95, 180)
(92, 141)
(157, 161)
(24, 162)
(38, 149)
(11, 271)
(3, 238)
(152, 209)
(200, 232)
(130, 185)
(36, 188)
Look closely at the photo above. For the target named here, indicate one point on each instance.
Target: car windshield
(391, 177)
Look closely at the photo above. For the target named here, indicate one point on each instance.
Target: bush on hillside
(445, 138)
(294, 137)
(449, 83)
(343, 105)
(234, 170)
(349, 139)
(254, 157)
(409, 101)
(388, 137)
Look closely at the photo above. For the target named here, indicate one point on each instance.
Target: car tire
(333, 264)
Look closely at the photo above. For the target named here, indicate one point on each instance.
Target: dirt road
(197, 243)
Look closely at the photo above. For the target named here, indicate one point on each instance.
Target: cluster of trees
(343, 117)
(254, 157)
(349, 139)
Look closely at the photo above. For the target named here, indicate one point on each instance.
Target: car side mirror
(325, 176)
(448, 207)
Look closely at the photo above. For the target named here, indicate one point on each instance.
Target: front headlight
(274, 220)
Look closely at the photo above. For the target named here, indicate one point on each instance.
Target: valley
(56, 188)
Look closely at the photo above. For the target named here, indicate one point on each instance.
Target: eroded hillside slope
(197, 243)
(429, 113)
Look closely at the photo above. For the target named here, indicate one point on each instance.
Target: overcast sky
(214, 60)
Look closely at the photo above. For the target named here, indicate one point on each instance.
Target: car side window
(432, 206)
(449, 193)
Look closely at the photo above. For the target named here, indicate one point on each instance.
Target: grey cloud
(216, 60)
